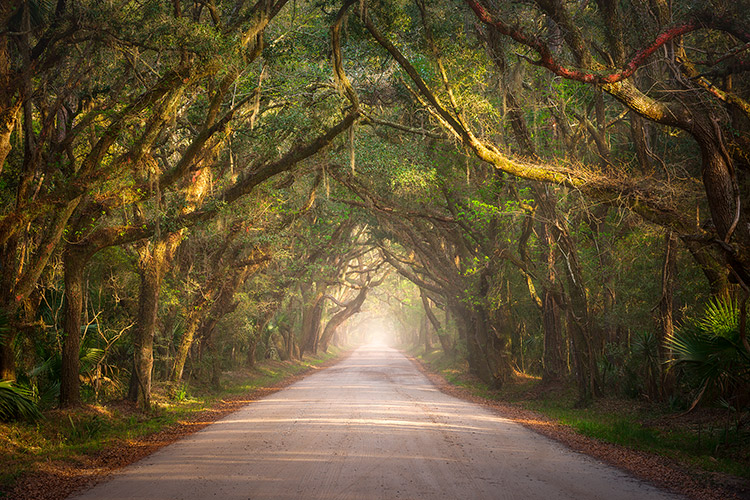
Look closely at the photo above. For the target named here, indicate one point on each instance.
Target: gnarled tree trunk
(351, 308)
(445, 342)
(311, 316)
(154, 261)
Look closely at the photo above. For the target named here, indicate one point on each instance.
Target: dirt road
(370, 427)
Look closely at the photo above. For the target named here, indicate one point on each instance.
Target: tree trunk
(9, 307)
(154, 260)
(218, 292)
(496, 350)
(8, 356)
(186, 342)
(467, 333)
(603, 239)
(143, 337)
(579, 324)
(666, 307)
(352, 308)
(445, 342)
(289, 337)
(553, 361)
(720, 184)
(10, 102)
(74, 266)
(426, 334)
(8, 119)
(713, 270)
(580, 328)
(553, 358)
(488, 355)
(311, 316)
(640, 141)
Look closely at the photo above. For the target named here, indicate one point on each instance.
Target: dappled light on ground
(371, 427)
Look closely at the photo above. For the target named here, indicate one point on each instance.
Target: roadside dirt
(658, 470)
(56, 480)
(372, 427)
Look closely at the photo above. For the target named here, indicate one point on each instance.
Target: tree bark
(488, 354)
(311, 315)
(9, 309)
(425, 331)
(154, 261)
(666, 307)
(74, 267)
(553, 358)
(579, 324)
(8, 356)
(192, 321)
(712, 268)
(10, 102)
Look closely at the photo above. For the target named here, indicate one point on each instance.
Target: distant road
(370, 427)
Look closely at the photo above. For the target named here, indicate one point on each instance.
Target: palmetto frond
(721, 318)
(710, 349)
(16, 401)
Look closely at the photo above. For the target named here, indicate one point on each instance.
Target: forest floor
(67, 449)
(687, 454)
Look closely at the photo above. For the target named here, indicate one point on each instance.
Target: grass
(699, 439)
(72, 435)
(650, 428)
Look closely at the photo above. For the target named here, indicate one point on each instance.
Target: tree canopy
(551, 188)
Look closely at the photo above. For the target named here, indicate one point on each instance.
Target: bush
(711, 354)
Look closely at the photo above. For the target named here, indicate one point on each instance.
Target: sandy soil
(370, 427)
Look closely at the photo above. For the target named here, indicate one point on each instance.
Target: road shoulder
(58, 479)
(657, 470)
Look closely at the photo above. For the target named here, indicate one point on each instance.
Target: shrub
(710, 352)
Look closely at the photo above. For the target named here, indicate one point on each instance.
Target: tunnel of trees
(551, 188)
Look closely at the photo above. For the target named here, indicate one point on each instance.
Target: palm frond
(721, 318)
(709, 349)
(90, 357)
(16, 402)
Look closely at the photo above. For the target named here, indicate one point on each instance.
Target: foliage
(101, 164)
(710, 352)
(17, 401)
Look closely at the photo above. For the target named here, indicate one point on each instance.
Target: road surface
(370, 427)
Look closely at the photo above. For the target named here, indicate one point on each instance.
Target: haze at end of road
(370, 427)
